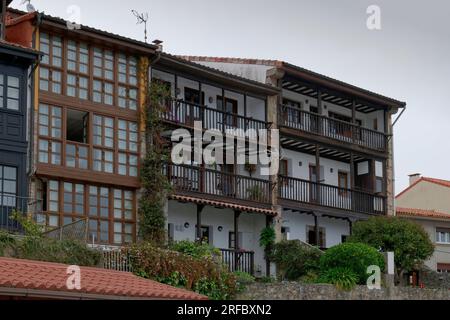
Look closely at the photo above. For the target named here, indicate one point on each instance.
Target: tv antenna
(30, 7)
(142, 18)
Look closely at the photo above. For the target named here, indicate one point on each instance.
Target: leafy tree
(408, 240)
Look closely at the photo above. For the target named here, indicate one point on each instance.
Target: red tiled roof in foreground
(444, 183)
(420, 213)
(225, 205)
(43, 279)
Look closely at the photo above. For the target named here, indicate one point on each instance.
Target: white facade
(297, 226)
(250, 227)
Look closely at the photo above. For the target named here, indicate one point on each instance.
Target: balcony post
(237, 214)
(200, 208)
(352, 180)
(353, 120)
(320, 121)
(318, 177)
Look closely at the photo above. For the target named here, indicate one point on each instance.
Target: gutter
(58, 295)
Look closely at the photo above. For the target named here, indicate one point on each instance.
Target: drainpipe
(393, 158)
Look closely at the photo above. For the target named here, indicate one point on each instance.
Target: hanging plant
(250, 168)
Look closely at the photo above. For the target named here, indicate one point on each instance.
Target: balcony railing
(185, 114)
(239, 260)
(330, 196)
(295, 118)
(10, 204)
(218, 184)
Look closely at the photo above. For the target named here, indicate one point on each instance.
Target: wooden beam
(237, 257)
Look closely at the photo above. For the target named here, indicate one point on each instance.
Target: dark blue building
(16, 82)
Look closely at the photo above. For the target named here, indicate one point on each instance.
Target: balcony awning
(224, 205)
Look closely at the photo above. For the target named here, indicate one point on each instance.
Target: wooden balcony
(238, 260)
(317, 194)
(184, 114)
(218, 185)
(300, 120)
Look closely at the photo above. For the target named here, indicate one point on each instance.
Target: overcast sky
(408, 59)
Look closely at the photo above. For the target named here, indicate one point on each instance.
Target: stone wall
(432, 279)
(299, 291)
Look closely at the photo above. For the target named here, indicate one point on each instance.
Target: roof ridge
(274, 62)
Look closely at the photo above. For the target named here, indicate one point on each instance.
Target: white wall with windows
(297, 226)
(211, 95)
(299, 166)
(183, 219)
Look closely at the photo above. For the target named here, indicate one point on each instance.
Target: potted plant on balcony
(250, 168)
(255, 193)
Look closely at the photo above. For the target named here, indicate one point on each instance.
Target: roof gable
(440, 182)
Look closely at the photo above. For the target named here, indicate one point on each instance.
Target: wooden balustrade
(295, 118)
(216, 183)
(239, 260)
(330, 196)
(185, 114)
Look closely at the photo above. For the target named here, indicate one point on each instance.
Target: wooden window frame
(48, 65)
(343, 189)
(130, 85)
(110, 218)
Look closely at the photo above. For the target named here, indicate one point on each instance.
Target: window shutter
(241, 235)
(322, 174)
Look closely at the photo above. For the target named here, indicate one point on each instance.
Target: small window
(8, 186)
(443, 268)
(443, 235)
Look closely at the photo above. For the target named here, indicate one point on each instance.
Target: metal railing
(330, 196)
(295, 118)
(116, 260)
(75, 231)
(239, 260)
(211, 182)
(12, 203)
(186, 113)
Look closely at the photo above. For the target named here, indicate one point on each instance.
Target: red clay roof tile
(46, 276)
(222, 204)
(412, 212)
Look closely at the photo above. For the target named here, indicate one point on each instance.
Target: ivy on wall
(155, 184)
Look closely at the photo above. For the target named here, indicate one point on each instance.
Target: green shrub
(200, 274)
(34, 246)
(243, 279)
(310, 277)
(356, 257)
(295, 259)
(342, 278)
(44, 249)
(196, 250)
(6, 241)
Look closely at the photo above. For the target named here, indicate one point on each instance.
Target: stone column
(390, 175)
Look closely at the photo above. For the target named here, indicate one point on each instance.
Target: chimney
(159, 44)
(413, 178)
(3, 12)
